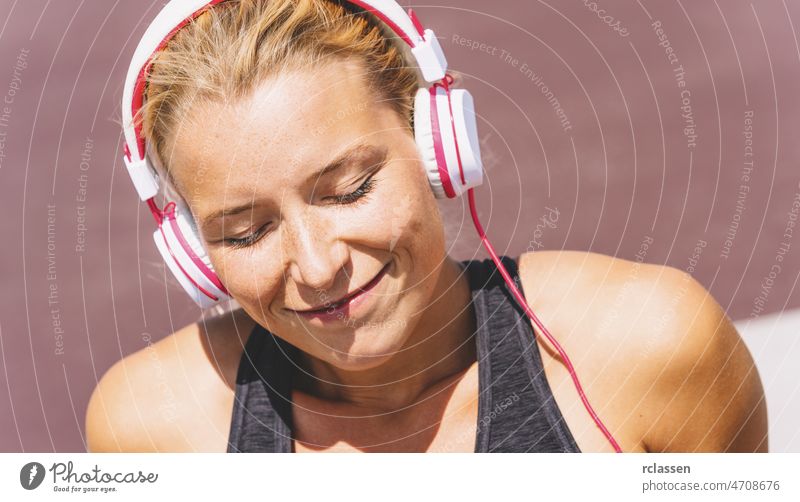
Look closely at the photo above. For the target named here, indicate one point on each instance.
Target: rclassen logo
(31, 475)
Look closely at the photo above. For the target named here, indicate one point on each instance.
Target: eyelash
(358, 194)
(351, 198)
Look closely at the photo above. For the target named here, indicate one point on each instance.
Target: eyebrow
(344, 159)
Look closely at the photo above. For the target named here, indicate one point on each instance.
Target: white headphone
(444, 129)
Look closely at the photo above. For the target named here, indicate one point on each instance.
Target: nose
(316, 254)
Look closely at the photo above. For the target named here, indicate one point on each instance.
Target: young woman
(286, 128)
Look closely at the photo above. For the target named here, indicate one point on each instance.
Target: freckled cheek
(411, 224)
(248, 276)
(366, 225)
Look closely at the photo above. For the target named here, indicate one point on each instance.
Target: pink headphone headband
(177, 13)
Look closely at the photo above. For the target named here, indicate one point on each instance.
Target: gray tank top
(516, 409)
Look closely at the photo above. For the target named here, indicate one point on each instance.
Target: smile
(342, 308)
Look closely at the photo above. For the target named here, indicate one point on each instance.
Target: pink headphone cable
(532, 316)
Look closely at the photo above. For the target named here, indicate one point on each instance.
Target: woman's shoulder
(654, 342)
(626, 291)
(174, 394)
(650, 307)
(624, 308)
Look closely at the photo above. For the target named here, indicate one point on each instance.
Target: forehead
(289, 124)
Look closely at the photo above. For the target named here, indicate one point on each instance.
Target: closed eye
(357, 194)
(349, 198)
(248, 240)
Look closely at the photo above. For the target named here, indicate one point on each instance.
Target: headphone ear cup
(423, 135)
(469, 147)
(190, 235)
(179, 244)
(445, 140)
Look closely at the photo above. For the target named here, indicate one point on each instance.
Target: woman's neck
(440, 347)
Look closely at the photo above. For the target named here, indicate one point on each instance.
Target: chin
(365, 350)
(358, 362)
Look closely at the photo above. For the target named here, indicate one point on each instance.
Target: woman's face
(305, 192)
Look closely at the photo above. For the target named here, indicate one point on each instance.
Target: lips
(350, 298)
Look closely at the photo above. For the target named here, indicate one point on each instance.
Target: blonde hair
(229, 49)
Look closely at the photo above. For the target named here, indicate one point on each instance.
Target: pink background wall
(615, 163)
